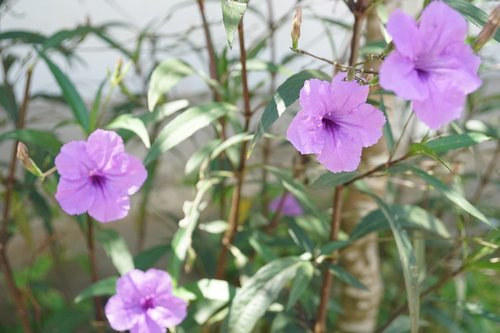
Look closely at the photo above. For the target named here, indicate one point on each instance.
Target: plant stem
(212, 58)
(21, 309)
(266, 147)
(234, 213)
(485, 179)
(210, 48)
(99, 314)
(320, 324)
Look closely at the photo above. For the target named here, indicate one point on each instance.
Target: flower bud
(489, 29)
(297, 22)
(24, 157)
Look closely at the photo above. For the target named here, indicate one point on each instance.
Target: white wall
(49, 16)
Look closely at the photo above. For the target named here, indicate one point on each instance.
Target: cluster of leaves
(273, 283)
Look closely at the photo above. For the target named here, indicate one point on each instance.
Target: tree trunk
(360, 307)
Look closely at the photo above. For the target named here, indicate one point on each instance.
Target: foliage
(242, 267)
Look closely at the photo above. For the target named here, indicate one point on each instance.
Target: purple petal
(126, 173)
(341, 152)
(459, 65)
(291, 207)
(316, 97)
(303, 133)
(109, 204)
(102, 146)
(365, 123)
(75, 196)
(129, 286)
(398, 74)
(72, 162)
(120, 314)
(405, 34)
(169, 311)
(442, 106)
(439, 26)
(156, 281)
(347, 95)
(147, 325)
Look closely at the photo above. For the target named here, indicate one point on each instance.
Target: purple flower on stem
(290, 206)
(335, 123)
(144, 303)
(431, 64)
(98, 176)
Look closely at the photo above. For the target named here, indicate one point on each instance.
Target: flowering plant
(280, 199)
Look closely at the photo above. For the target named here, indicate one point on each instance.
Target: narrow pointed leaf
(133, 124)
(232, 12)
(70, 94)
(164, 77)
(185, 125)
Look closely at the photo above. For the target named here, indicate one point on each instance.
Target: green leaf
(216, 290)
(299, 237)
(116, 248)
(149, 257)
(232, 12)
(330, 179)
(407, 216)
(182, 239)
(96, 104)
(70, 94)
(103, 287)
(258, 292)
(132, 124)
(164, 77)
(446, 143)
(300, 283)
(446, 191)
(473, 14)
(332, 246)
(185, 125)
(8, 102)
(200, 155)
(286, 95)
(345, 276)
(163, 111)
(46, 140)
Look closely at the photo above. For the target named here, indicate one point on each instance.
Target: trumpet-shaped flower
(97, 177)
(144, 303)
(431, 64)
(335, 123)
(289, 207)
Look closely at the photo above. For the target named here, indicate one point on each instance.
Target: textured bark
(360, 307)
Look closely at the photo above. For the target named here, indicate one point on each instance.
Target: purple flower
(98, 176)
(335, 123)
(291, 206)
(144, 303)
(431, 64)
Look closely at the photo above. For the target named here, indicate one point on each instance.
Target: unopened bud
(297, 22)
(24, 157)
(489, 29)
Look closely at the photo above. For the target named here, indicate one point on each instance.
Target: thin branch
(99, 313)
(485, 179)
(22, 311)
(320, 324)
(234, 213)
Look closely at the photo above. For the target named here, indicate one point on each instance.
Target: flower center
(422, 74)
(147, 303)
(97, 180)
(329, 124)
